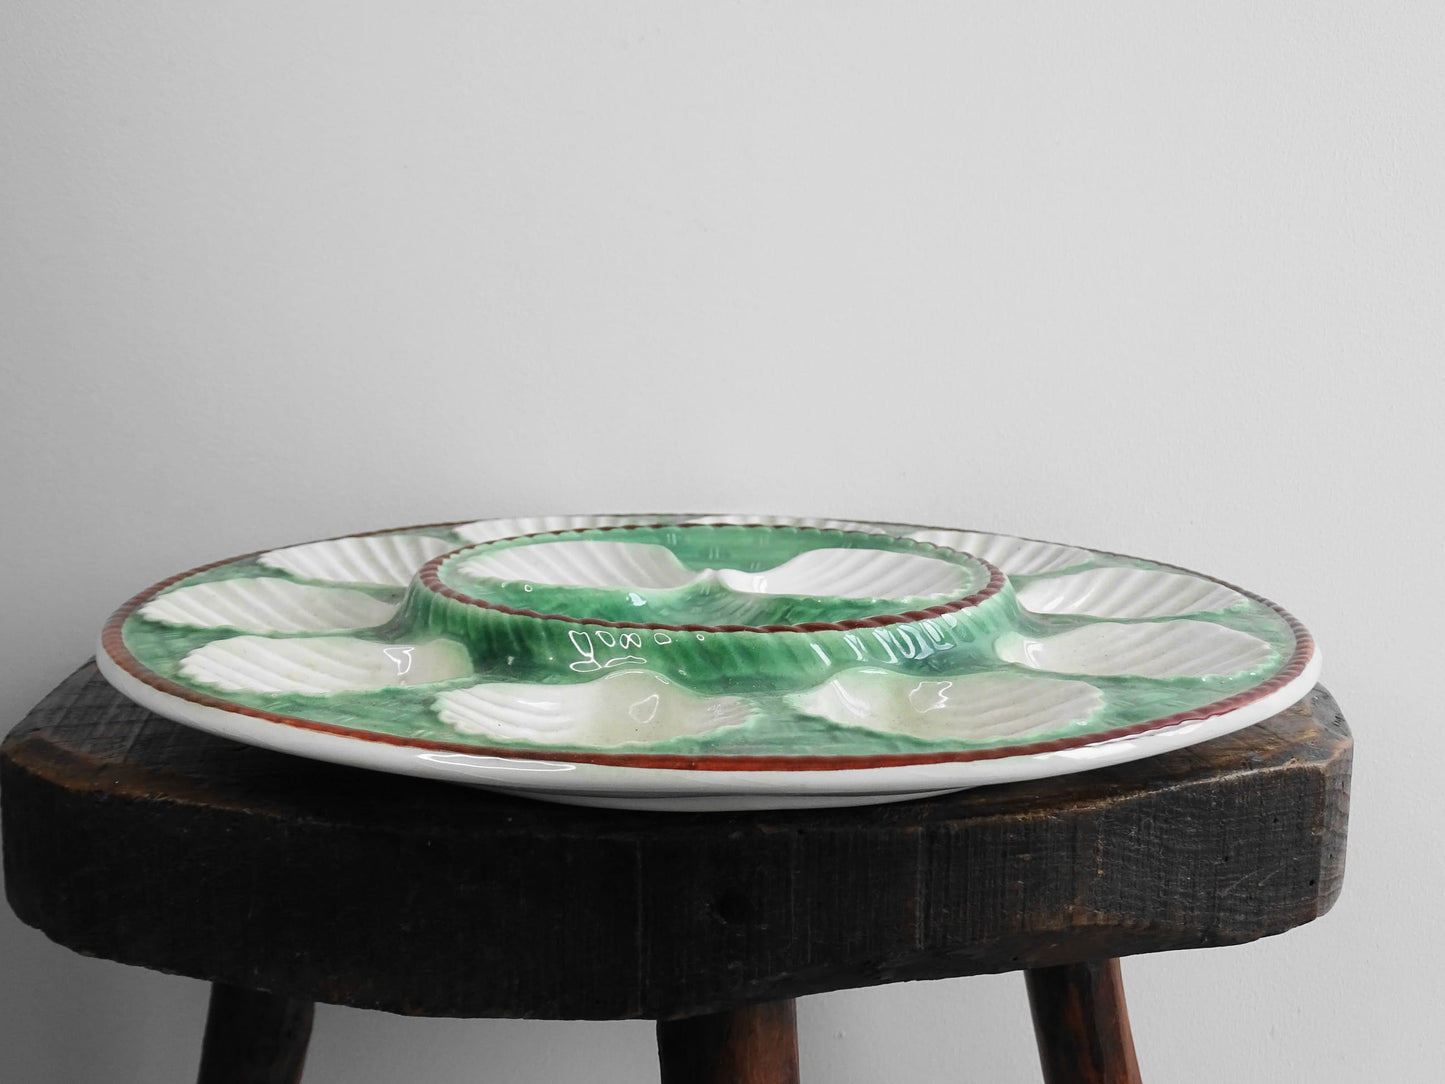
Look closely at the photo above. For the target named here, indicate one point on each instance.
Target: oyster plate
(690, 662)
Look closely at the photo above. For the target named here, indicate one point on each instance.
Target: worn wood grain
(754, 1044)
(1082, 1023)
(136, 839)
(254, 1038)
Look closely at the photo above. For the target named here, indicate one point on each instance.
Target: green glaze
(516, 648)
(527, 648)
(762, 667)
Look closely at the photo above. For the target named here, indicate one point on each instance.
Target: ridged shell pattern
(838, 573)
(267, 604)
(1121, 593)
(1096, 635)
(624, 707)
(388, 560)
(851, 573)
(584, 563)
(1016, 556)
(976, 706)
(321, 665)
(1164, 649)
(489, 530)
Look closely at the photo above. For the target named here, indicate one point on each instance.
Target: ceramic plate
(707, 662)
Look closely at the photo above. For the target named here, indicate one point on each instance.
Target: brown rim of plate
(113, 642)
(428, 574)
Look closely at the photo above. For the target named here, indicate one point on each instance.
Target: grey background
(1158, 278)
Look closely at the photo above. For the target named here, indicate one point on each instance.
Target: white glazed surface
(320, 665)
(978, 705)
(625, 707)
(1127, 593)
(842, 573)
(386, 560)
(1164, 649)
(267, 604)
(584, 564)
(1016, 556)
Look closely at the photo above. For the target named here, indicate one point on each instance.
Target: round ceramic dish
(706, 662)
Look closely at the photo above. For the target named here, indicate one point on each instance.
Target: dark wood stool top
(136, 839)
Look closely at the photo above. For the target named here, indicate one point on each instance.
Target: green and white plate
(706, 662)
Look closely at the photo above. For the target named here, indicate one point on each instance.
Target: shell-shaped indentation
(320, 665)
(1016, 556)
(267, 604)
(1164, 649)
(623, 707)
(583, 563)
(489, 530)
(966, 707)
(1127, 593)
(835, 573)
(390, 560)
(854, 573)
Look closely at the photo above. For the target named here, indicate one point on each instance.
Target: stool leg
(756, 1044)
(254, 1038)
(1082, 1024)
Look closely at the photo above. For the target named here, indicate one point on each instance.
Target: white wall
(1160, 278)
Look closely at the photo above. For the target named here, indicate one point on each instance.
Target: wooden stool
(285, 882)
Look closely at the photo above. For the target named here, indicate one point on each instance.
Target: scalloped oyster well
(970, 706)
(625, 706)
